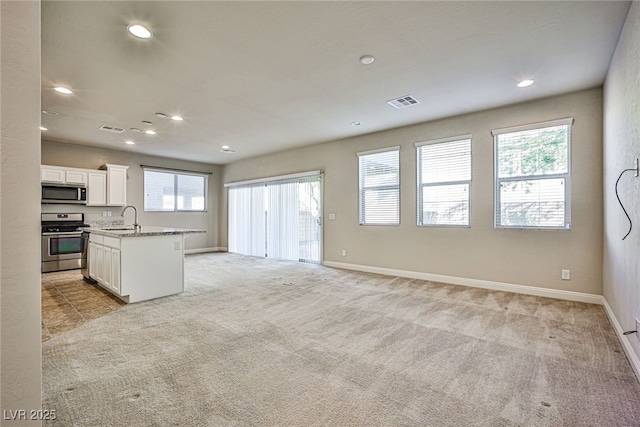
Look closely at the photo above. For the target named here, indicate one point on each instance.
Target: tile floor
(68, 301)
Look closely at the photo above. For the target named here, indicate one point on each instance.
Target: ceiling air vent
(111, 129)
(403, 101)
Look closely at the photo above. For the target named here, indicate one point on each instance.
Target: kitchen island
(137, 264)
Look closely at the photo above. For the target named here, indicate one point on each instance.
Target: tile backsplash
(95, 216)
(103, 222)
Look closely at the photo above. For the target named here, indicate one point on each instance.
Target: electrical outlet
(566, 274)
(344, 252)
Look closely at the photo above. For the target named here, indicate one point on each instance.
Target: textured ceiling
(268, 76)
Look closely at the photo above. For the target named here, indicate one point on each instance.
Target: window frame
(421, 185)
(362, 189)
(496, 133)
(176, 173)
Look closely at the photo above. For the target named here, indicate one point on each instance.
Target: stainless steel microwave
(61, 193)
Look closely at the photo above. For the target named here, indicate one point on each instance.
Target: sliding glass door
(279, 218)
(310, 219)
(246, 220)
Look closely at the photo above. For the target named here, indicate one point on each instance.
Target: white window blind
(171, 191)
(247, 230)
(444, 181)
(379, 189)
(282, 220)
(309, 218)
(533, 176)
(277, 218)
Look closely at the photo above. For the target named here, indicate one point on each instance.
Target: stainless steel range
(63, 245)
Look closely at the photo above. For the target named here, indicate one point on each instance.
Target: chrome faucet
(136, 225)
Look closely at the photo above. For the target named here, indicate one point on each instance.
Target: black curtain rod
(174, 169)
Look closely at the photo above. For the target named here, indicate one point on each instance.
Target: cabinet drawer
(112, 242)
(96, 238)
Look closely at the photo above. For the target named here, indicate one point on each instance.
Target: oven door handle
(63, 234)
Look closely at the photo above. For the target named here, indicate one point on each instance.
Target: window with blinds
(533, 176)
(171, 191)
(379, 189)
(444, 182)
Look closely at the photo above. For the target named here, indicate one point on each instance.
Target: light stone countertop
(145, 230)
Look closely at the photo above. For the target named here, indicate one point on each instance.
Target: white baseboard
(474, 283)
(205, 250)
(633, 358)
(634, 361)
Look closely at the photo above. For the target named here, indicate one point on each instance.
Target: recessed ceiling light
(63, 90)
(139, 31)
(525, 83)
(161, 115)
(50, 112)
(43, 128)
(367, 59)
(150, 132)
(135, 130)
(225, 147)
(177, 118)
(129, 142)
(356, 123)
(147, 122)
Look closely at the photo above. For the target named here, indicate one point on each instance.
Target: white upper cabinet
(76, 177)
(97, 188)
(105, 187)
(49, 174)
(62, 175)
(116, 185)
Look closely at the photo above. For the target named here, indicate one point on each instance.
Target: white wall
(524, 257)
(59, 154)
(621, 265)
(20, 341)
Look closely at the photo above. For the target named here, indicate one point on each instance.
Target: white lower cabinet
(96, 261)
(107, 271)
(93, 260)
(100, 263)
(138, 268)
(104, 261)
(115, 270)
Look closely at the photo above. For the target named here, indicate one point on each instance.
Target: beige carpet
(254, 342)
